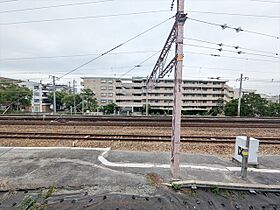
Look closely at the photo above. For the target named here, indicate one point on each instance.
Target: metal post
(83, 104)
(74, 97)
(54, 95)
(240, 96)
(176, 115)
(147, 108)
(245, 157)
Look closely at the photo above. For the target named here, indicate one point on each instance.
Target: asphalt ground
(79, 176)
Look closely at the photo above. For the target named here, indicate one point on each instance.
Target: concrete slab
(34, 168)
(83, 181)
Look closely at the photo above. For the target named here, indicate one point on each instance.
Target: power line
(223, 56)
(228, 69)
(54, 6)
(232, 51)
(7, 1)
(116, 47)
(234, 14)
(84, 17)
(74, 55)
(235, 47)
(140, 64)
(266, 1)
(238, 29)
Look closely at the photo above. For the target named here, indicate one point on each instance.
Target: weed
(38, 203)
(216, 191)
(154, 179)
(176, 187)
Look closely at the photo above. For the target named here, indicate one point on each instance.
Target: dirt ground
(224, 150)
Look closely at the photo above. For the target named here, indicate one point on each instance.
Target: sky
(35, 42)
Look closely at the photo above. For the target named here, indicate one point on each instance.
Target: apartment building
(131, 94)
(40, 101)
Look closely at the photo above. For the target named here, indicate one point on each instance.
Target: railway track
(136, 138)
(141, 121)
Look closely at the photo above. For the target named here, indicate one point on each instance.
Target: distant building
(273, 99)
(244, 91)
(40, 102)
(130, 94)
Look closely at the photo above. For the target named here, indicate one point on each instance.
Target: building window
(103, 88)
(110, 81)
(36, 93)
(110, 101)
(36, 100)
(110, 88)
(103, 94)
(36, 109)
(110, 94)
(103, 101)
(104, 81)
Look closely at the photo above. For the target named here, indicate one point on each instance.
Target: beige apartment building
(130, 94)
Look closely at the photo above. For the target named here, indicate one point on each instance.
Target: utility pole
(83, 104)
(147, 108)
(54, 89)
(74, 98)
(177, 103)
(240, 93)
(159, 71)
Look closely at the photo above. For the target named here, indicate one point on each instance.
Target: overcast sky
(25, 46)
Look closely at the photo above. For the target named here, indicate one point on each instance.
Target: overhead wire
(7, 1)
(116, 47)
(233, 46)
(266, 1)
(228, 69)
(237, 29)
(232, 51)
(140, 64)
(233, 14)
(84, 17)
(54, 6)
(73, 55)
(224, 56)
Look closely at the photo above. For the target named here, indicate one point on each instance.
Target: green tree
(217, 109)
(231, 108)
(274, 110)
(109, 108)
(14, 96)
(254, 105)
(68, 101)
(251, 105)
(59, 95)
(90, 102)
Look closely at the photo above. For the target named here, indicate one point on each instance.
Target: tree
(252, 105)
(90, 102)
(14, 96)
(59, 95)
(231, 108)
(274, 110)
(109, 108)
(217, 109)
(68, 101)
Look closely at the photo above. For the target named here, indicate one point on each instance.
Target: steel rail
(126, 137)
(141, 124)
